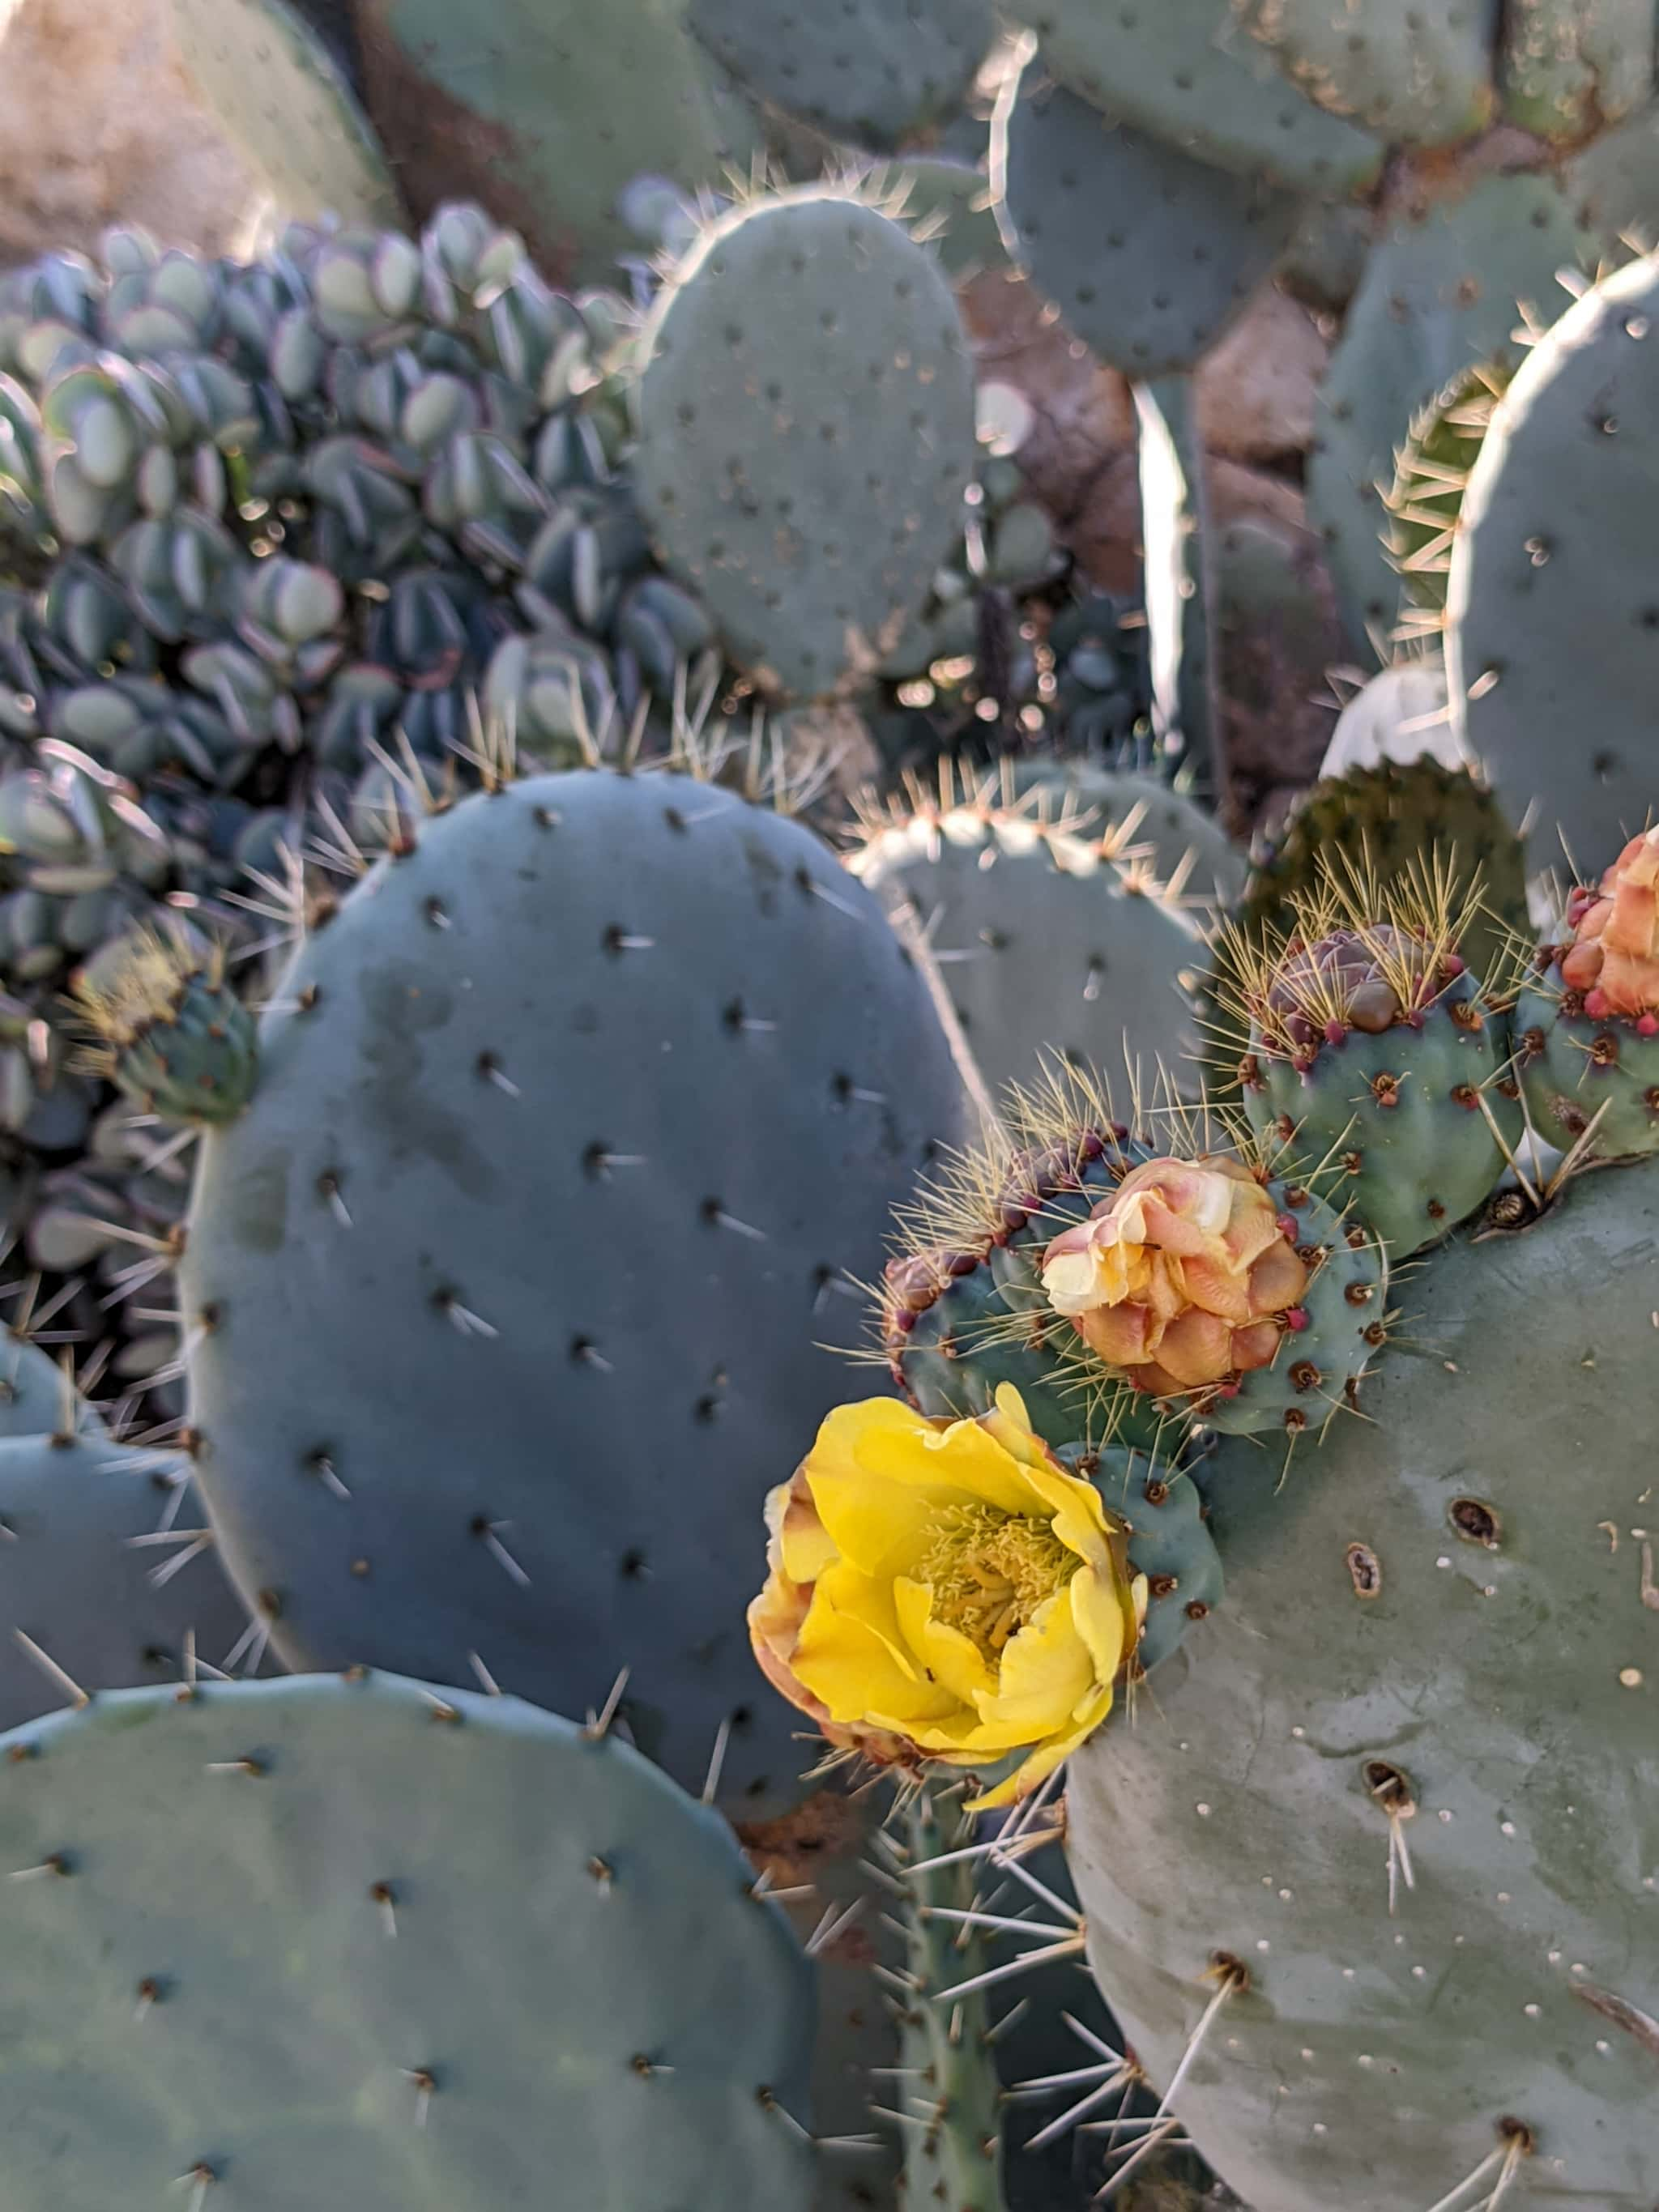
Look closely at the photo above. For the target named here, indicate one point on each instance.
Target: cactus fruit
(1185, 74)
(1431, 1686)
(876, 74)
(283, 100)
(1049, 928)
(1554, 569)
(584, 2002)
(1587, 1024)
(1441, 292)
(1149, 295)
(168, 1029)
(107, 1579)
(441, 1106)
(1368, 1044)
(807, 431)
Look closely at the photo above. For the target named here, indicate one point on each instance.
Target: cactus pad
(806, 432)
(351, 1939)
(1186, 74)
(1147, 253)
(567, 1127)
(1572, 67)
(273, 83)
(103, 1568)
(1048, 939)
(1414, 74)
(878, 72)
(1556, 573)
(1439, 1640)
(1441, 292)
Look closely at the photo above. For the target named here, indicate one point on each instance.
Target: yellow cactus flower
(946, 1590)
(1178, 1277)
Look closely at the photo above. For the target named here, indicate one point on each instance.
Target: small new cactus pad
(1441, 292)
(167, 1030)
(1368, 1044)
(876, 72)
(1417, 74)
(1185, 73)
(283, 100)
(1146, 253)
(806, 432)
(1049, 937)
(1587, 1024)
(546, 112)
(106, 1570)
(1430, 475)
(1388, 1844)
(1556, 571)
(351, 1940)
(512, 1274)
(1390, 822)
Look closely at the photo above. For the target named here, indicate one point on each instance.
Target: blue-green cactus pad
(1554, 651)
(1450, 1589)
(1186, 72)
(806, 432)
(1440, 293)
(74, 1580)
(349, 1941)
(1147, 253)
(876, 72)
(518, 1267)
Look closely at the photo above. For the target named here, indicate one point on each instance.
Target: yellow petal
(1046, 1756)
(1105, 1619)
(950, 1657)
(1010, 1425)
(883, 1527)
(851, 1656)
(801, 1545)
(964, 1457)
(1047, 1670)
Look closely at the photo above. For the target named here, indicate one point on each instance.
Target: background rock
(98, 125)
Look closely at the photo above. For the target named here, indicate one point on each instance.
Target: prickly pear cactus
(107, 1570)
(1047, 935)
(1430, 477)
(511, 1273)
(1441, 291)
(946, 2087)
(1419, 75)
(1389, 1836)
(807, 429)
(285, 101)
(868, 70)
(1185, 73)
(350, 1937)
(1365, 1040)
(1554, 570)
(1148, 294)
(1388, 822)
(1183, 843)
